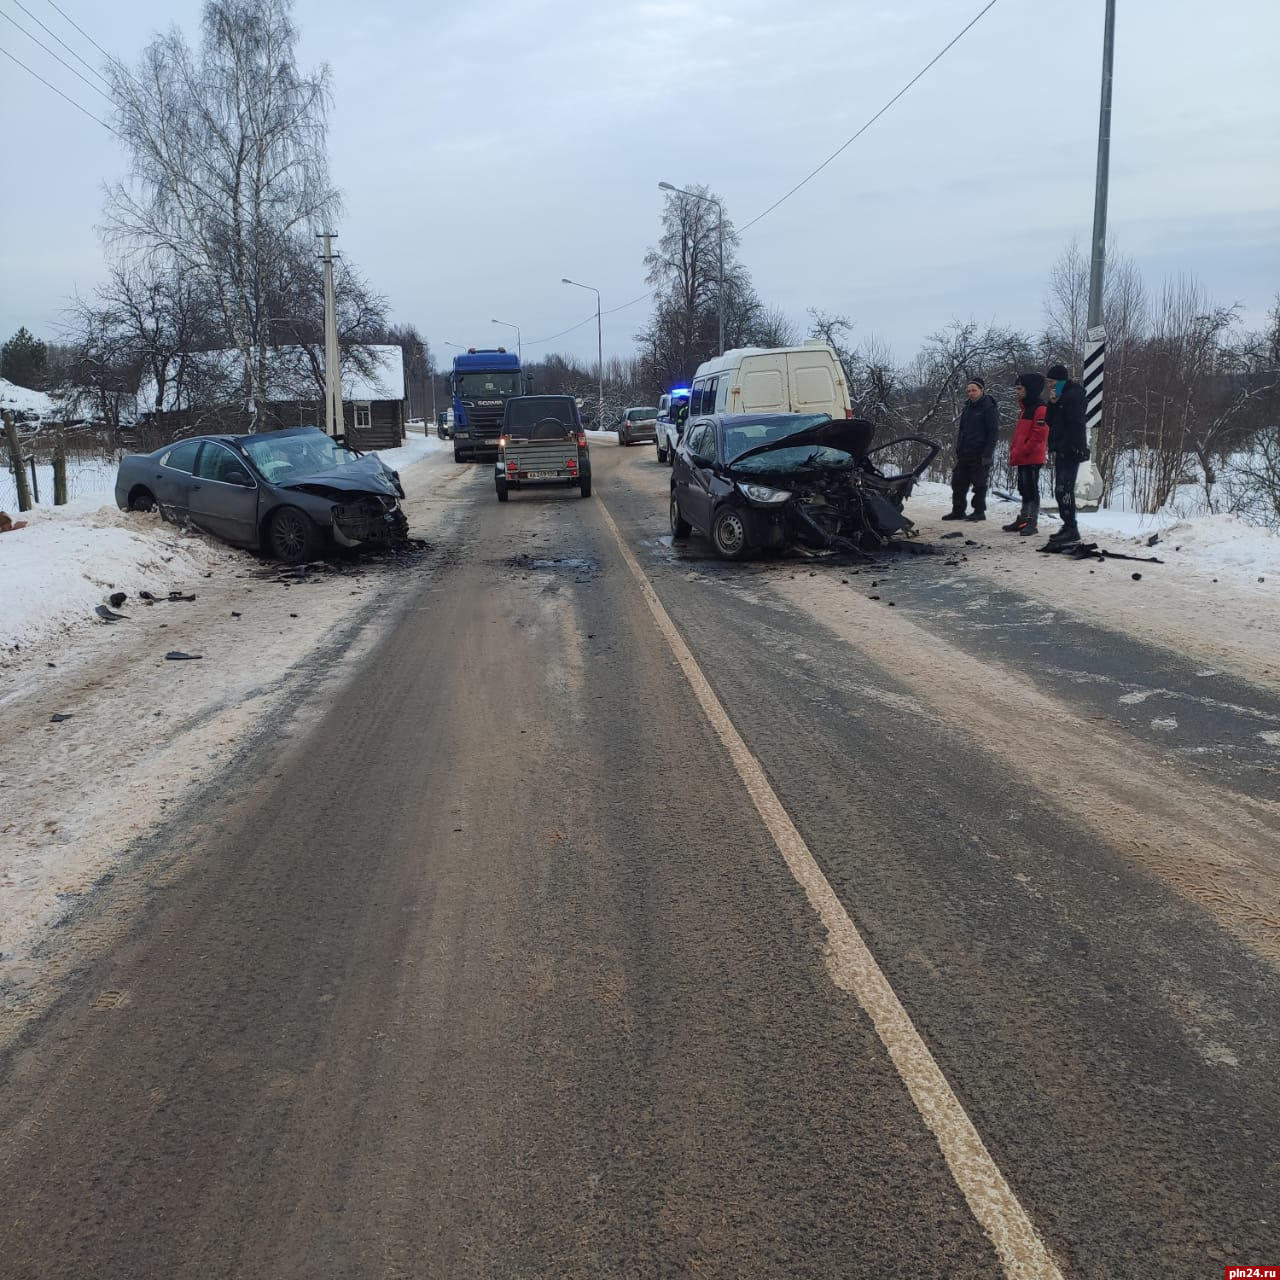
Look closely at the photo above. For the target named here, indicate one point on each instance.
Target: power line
(632, 303)
(53, 55)
(56, 90)
(63, 43)
(84, 33)
(870, 122)
(534, 342)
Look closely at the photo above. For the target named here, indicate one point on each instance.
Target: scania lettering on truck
(806, 379)
(482, 382)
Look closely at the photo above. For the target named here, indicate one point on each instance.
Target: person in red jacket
(1029, 451)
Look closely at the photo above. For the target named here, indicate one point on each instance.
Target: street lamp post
(693, 195)
(516, 327)
(599, 346)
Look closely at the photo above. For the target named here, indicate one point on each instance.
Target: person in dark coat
(975, 450)
(1069, 444)
(1028, 451)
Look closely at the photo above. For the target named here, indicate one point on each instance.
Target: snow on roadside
(70, 558)
(1210, 545)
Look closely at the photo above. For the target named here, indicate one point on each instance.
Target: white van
(806, 379)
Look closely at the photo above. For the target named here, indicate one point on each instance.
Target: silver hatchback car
(639, 423)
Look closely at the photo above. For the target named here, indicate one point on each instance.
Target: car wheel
(662, 453)
(680, 527)
(584, 485)
(457, 457)
(142, 500)
(503, 492)
(292, 536)
(729, 534)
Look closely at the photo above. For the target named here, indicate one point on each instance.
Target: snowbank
(69, 559)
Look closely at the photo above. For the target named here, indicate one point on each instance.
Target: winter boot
(978, 513)
(957, 510)
(1018, 523)
(1028, 528)
(1067, 536)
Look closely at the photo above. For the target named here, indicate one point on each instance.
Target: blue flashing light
(680, 391)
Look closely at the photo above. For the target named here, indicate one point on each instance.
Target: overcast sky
(487, 150)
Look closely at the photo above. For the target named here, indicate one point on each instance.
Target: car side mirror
(239, 477)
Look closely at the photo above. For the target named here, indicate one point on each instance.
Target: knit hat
(1033, 385)
(977, 382)
(1057, 373)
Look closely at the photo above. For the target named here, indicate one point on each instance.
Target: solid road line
(854, 969)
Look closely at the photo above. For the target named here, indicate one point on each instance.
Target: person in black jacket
(1069, 445)
(975, 450)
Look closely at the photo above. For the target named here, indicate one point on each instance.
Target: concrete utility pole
(1089, 484)
(333, 423)
(666, 186)
(599, 346)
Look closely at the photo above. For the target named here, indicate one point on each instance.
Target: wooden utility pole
(15, 455)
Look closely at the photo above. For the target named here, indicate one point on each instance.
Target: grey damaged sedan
(291, 494)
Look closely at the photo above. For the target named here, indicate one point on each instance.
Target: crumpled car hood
(364, 475)
(851, 435)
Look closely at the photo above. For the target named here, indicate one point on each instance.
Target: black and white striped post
(1089, 482)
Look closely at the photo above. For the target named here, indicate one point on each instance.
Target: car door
(224, 494)
(699, 449)
(173, 478)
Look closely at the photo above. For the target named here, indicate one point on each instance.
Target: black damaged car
(292, 494)
(753, 481)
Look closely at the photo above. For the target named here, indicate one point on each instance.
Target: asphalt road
(492, 967)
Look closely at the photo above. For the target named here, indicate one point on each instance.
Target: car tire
(457, 457)
(292, 536)
(142, 500)
(662, 453)
(729, 534)
(680, 527)
(584, 485)
(504, 492)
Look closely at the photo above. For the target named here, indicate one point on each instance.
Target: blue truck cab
(482, 382)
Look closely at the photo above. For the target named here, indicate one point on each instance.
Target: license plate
(541, 475)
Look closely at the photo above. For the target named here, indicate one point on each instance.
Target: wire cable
(54, 56)
(56, 90)
(937, 58)
(534, 342)
(632, 303)
(63, 43)
(84, 33)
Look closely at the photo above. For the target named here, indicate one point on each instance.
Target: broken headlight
(762, 494)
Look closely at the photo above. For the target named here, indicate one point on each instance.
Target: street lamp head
(565, 280)
(665, 186)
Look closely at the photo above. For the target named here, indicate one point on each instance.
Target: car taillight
(582, 440)
(626, 422)
(848, 413)
(571, 462)
(511, 466)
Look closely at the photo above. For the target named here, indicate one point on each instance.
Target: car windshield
(285, 458)
(742, 435)
(524, 412)
(642, 412)
(485, 386)
(805, 457)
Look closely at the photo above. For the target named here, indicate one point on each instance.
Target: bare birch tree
(229, 166)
